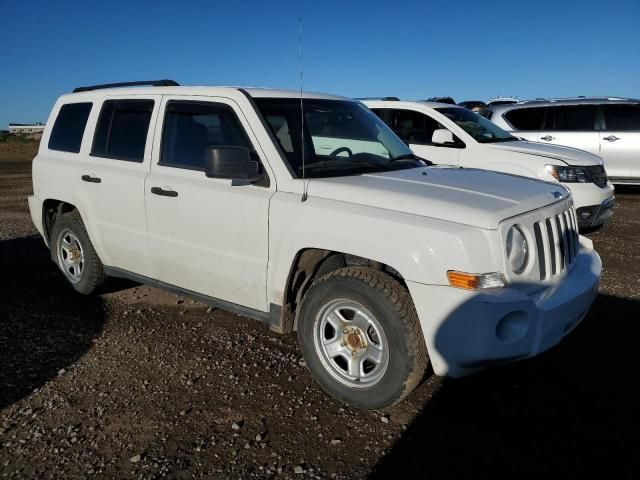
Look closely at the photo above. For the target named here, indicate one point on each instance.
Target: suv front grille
(598, 175)
(557, 243)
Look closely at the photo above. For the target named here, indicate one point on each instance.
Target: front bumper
(594, 205)
(595, 215)
(466, 331)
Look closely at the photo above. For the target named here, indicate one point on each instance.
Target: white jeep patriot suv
(380, 261)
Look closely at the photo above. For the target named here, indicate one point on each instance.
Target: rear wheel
(361, 338)
(74, 254)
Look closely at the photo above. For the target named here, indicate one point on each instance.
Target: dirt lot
(139, 383)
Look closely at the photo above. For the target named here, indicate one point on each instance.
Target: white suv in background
(380, 261)
(609, 127)
(453, 135)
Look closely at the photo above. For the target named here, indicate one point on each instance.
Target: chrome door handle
(611, 138)
(547, 138)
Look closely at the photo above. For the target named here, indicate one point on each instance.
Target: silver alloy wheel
(351, 343)
(70, 255)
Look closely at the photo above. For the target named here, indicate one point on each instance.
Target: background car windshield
(481, 129)
(339, 138)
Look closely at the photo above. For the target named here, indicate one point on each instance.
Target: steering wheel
(340, 150)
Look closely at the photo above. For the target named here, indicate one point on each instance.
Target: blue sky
(467, 49)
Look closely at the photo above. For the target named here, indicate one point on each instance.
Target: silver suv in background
(609, 127)
(502, 101)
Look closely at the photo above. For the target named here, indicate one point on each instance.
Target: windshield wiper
(497, 140)
(411, 156)
(339, 163)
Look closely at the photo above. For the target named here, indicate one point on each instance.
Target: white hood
(571, 156)
(469, 196)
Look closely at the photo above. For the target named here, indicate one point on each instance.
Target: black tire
(92, 274)
(391, 304)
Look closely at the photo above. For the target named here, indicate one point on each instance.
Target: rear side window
(526, 118)
(622, 117)
(190, 128)
(69, 126)
(575, 118)
(121, 132)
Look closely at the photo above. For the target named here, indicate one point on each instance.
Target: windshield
(481, 129)
(340, 138)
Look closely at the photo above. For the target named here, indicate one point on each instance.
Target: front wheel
(74, 254)
(361, 338)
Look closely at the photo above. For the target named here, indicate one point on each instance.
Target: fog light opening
(513, 327)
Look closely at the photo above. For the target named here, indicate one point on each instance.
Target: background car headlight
(517, 249)
(569, 174)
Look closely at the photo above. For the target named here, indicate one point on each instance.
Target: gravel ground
(139, 383)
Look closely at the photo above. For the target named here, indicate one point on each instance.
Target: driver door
(206, 235)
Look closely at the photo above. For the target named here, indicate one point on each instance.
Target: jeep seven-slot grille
(557, 243)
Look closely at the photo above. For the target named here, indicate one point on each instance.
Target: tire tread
(401, 300)
(95, 270)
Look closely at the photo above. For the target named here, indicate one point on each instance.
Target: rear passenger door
(207, 235)
(572, 126)
(620, 140)
(110, 187)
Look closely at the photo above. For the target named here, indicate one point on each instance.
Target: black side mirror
(233, 163)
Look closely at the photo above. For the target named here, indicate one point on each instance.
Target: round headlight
(517, 249)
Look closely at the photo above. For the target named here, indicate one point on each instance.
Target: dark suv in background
(606, 126)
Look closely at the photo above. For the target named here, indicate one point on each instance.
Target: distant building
(31, 130)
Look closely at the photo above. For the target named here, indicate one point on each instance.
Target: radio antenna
(304, 184)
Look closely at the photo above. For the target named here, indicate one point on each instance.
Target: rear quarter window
(68, 129)
(526, 118)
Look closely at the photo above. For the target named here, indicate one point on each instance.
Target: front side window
(574, 118)
(338, 137)
(68, 129)
(622, 117)
(527, 119)
(121, 132)
(414, 127)
(379, 112)
(190, 128)
(481, 129)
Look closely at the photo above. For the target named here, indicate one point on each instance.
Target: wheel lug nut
(345, 331)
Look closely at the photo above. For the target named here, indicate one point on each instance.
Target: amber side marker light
(474, 281)
(554, 173)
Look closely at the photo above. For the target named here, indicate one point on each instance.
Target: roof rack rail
(386, 99)
(152, 83)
